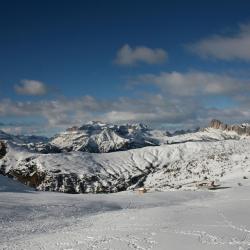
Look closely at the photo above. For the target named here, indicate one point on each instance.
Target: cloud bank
(179, 101)
(196, 84)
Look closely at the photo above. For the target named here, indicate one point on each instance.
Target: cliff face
(241, 129)
(2, 150)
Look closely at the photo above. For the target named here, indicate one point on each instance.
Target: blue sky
(165, 63)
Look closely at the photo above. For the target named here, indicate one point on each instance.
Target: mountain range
(99, 157)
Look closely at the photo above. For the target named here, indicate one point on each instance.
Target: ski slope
(158, 220)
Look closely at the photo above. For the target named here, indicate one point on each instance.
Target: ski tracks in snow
(202, 222)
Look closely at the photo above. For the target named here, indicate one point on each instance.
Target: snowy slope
(206, 135)
(163, 167)
(176, 163)
(215, 220)
(33, 143)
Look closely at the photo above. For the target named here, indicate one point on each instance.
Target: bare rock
(240, 129)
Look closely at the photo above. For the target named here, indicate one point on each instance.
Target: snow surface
(159, 220)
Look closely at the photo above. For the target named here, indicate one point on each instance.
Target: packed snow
(127, 220)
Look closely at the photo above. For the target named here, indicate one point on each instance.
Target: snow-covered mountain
(33, 143)
(164, 167)
(168, 161)
(22, 139)
(176, 162)
(100, 137)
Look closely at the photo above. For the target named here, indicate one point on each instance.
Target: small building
(141, 190)
(206, 184)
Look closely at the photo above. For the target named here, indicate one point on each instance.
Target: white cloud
(224, 47)
(154, 109)
(31, 87)
(196, 83)
(140, 54)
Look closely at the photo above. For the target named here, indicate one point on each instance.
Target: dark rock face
(183, 132)
(71, 183)
(3, 150)
(242, 129)
(29, 177)
(43, 148)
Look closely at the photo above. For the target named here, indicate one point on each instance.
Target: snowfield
(158, 220)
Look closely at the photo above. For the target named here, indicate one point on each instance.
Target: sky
(169, 64)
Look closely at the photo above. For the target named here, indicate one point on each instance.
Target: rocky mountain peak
(96, 136)
(217, 124)
(241, 129)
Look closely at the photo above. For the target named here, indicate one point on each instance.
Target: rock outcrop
(3, 150)
(240, 129)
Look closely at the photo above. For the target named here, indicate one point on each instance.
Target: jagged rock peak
(241, 129)
(215, 124)
(97, 126)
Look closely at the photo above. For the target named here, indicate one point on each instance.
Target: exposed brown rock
(30, 179)
(215, 124)
(240, 129)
